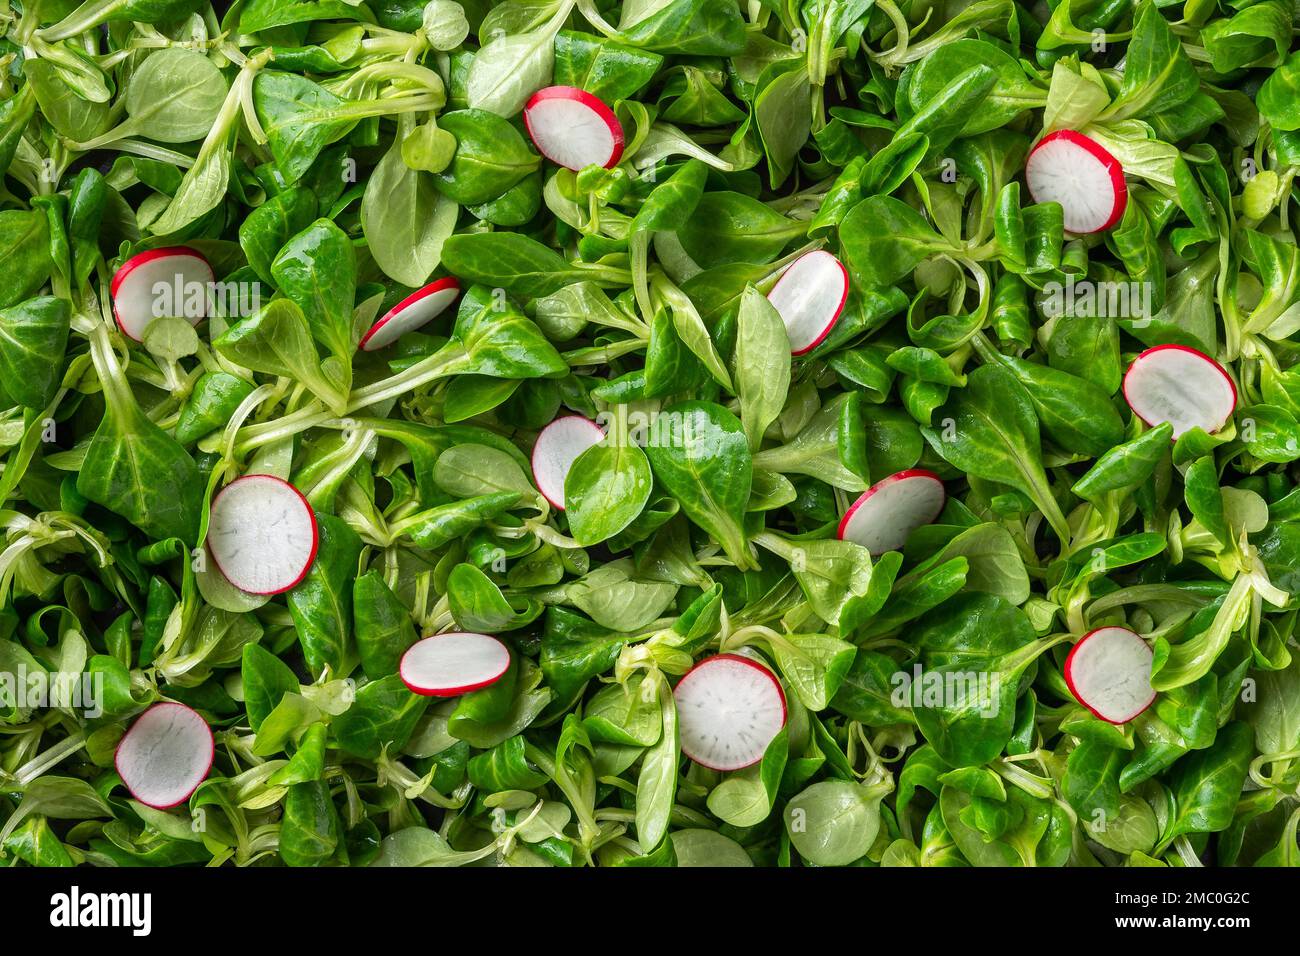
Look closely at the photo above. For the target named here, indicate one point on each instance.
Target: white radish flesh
(416, 310)
(165, 755)
(574, 129)
(149, 282)
(728, 710)
(1109, 671)
(891, 509)
(810, 297)
(262, 534)
(558, 445)
(447, 665)
(1179, 385)
(1069, 168)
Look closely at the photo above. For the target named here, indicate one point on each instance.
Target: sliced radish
(417, 309)
(810, 296)
(138, 298)
(1179, 385)
(572, 128)
(892, 509)
(165, 755)
(1077, 172)
(1109, 671)
(447, 665)
(558, 445)
(262, 534)
(728, 710)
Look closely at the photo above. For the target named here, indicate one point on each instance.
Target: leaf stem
(448, 360)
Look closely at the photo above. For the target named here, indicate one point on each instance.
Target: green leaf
(700, 455)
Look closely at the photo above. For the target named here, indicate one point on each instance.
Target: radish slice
(810, 296)
(572, 128)
(417, 309)
(1179, 385)
(1109, 671)
(558, 445)
(165, 755)
(447, 665)
(892, 509)
(1075, 171)
(262, 534)
(137, 298)
(728, 710)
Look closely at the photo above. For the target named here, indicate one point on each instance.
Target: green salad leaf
(802, 366)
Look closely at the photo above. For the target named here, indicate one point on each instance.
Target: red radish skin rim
(1069, 679)
(839, 309)
(532, 457)
(883, 482)
(1103, 156)
(144, 258)
(141, 259)
(1180, 348)
(593, 103)
(212, 753)
(447, 282)
(315, 536)
(748, 662)
(450, 691)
